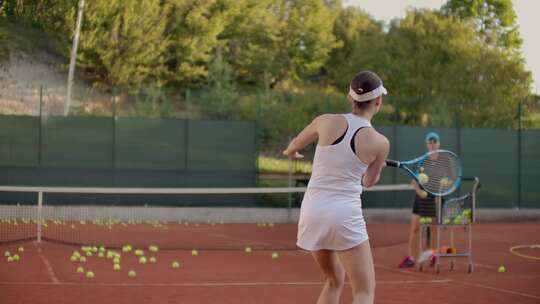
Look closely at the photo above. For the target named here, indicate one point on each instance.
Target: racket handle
(392, 163)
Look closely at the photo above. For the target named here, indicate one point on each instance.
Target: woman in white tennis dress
(349, 155)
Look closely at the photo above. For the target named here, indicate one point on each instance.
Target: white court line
(502, 290)
(48, 266)
(217, 284)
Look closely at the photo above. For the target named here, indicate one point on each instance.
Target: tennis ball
(175, 264)
(116, 267)
(76, 253)
(194, 252)
(89, 253)
(423, 178)
(101, 255)
(153, 248)
(457, 220)
(20, 249)
(132, 273)
(80, 269)
(501, 269)
(142, 260)
(94, 249)
(7, 253)
(139, 252)
(16, 257)
(428, 220)
(446, 221)
(445, 182)
(422, 220)
(10, 259)
(275, 255)
(152, 259)
(82, 259)
(248, 249)
(102, 249)
(116, 260)
(90, 275)
(73, 258)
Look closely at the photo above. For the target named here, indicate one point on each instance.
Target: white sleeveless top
(331, 213)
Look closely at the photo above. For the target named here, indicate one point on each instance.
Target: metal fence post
(519, 139)
(39, 124)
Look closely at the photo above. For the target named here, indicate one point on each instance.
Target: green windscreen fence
(530, 169)
(148, 152)
(125, 152)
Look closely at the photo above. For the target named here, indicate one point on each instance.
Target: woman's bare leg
(334, 276)
(358, 264)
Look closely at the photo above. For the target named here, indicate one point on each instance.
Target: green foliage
(220, 98)
(451, 73)
(282, 61)
(272, 41)
(494, 20)
(193, 27)
(361, 40)
(123, 42)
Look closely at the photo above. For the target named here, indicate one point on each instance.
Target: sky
(527, 19)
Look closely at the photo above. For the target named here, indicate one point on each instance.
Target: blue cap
(431, 136)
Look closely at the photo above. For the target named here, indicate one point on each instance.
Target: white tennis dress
(331, 213)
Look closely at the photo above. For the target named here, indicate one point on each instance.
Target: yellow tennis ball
(16, 257)
(82, 259)
(501, 269)
(90, 275)
(194, 252)
(142, 260)
(116, 260)
(73, 258)
(116, 267)
(152, 259)
(101, 254)
(7, 253)
(423, 178)
(175, 264)
(132, 273)
(80, 269)
(139, 252)
(248, 249)
(275, 255)
(20, 249)
(10, 259)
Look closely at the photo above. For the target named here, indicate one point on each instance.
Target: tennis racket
(437, 172)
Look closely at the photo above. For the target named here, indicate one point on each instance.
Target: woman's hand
(291, 154)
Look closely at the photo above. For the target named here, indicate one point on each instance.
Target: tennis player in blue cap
(424, 206)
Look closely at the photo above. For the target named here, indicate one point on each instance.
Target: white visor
(380, 90)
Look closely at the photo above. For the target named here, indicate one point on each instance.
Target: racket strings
(442, 172)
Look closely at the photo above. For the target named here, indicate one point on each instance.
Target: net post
(39, 215)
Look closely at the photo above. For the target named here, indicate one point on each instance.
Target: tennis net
(115, 217)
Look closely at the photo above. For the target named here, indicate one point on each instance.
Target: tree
(439, 68)
(123, 42)
(194, 27)
(494, 20)
(361, 39)
(277, 40)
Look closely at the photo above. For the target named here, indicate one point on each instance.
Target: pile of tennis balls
(426, 220)
(465, 217)
(15, 257)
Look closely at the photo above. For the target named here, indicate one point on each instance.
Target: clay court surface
(45, 274)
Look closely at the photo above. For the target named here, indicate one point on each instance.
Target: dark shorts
(424, 207)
